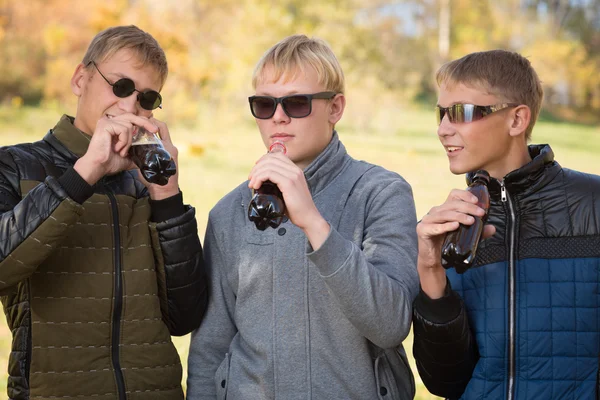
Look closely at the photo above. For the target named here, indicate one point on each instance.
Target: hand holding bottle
(267, 207)
(460, 246)
(299, 205)
(459, 208)
(110, 142)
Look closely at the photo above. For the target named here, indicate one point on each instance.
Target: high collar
(326, 166)
(67, 139)
(530, 177)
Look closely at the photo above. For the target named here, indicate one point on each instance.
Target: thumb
(488, 231)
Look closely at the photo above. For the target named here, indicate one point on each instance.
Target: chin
(458, 169)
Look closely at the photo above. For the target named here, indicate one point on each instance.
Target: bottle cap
(277, 147)
(480, 174)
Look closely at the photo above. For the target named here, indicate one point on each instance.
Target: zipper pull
(503, 192)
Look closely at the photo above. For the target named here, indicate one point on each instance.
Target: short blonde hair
(297, 52)
(502, 73)
(106, 43)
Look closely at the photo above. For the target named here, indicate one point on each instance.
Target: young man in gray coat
(318, 307)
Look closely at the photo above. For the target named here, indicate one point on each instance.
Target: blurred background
(389, 50)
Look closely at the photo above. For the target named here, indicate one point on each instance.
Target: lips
(453, 151)
(281, 137)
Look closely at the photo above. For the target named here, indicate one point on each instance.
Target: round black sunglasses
(294, 105)
(124, 87)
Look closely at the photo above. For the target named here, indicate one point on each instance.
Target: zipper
(118, 298)
(510, 390)
(29, 342)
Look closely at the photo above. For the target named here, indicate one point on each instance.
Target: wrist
(316, 224)
(317, 231)
(432, 279)
(88, 171)
(162, 192)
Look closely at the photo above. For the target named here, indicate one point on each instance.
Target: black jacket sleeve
(183, 288)
(444, 347)
(31, 227)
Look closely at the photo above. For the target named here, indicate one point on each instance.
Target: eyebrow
(294, 92)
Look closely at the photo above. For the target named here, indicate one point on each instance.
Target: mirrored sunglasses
(465, 113)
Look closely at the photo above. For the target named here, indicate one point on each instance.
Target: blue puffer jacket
(524, 323)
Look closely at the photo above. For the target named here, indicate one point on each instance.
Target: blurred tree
(573, 28)
(390, 49)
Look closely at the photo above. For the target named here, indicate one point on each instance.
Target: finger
(163, 130)
(123, 141)
(137, 121)
(276, 162)
(433, 230)
(278, 158)
(125, 149)
(264, 171)
(460, 206)
(122, 132)
(268, 175)
(292, 171)
(464, 195)
(448, 216)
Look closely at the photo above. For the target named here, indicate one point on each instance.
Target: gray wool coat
(286, 322)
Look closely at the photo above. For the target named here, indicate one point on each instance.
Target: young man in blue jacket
(318, 307)
(524, 321)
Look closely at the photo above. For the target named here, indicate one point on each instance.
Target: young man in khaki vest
(98, 268)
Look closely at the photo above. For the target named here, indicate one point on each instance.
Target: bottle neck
(480, 181)
(277, 147)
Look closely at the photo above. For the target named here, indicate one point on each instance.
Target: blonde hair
(296, 53)
(106, 43)
(502, 73)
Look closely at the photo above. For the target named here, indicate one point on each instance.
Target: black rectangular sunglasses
(124, 87)
(465, 113)
(294, 105)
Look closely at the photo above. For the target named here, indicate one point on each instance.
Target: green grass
(214, 161)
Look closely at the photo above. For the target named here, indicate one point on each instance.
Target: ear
(520, 121)
(78, 80)
(338, 104)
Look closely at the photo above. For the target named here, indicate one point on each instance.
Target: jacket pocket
(393, 375)
(222, 378)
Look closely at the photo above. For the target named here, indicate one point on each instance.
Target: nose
(446, 128)
(129, 104)
(280, 115)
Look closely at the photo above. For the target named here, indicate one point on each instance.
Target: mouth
(453, 149)
(281, 136)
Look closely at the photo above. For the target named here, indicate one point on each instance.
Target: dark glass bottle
(153, 160)
(460, 246)
(267, 207)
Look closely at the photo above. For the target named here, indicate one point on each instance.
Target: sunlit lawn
(213, 162)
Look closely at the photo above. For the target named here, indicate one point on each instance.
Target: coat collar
(67, 139)
(327, 166)
(530, 177)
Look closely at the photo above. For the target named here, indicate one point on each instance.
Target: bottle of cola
(460, 246)
(267, 207)
(148, 153)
